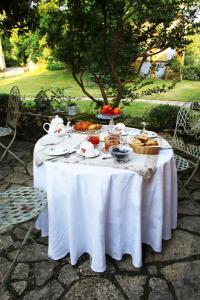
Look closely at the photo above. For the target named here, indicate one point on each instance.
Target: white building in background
(2, 59)
(160, 61)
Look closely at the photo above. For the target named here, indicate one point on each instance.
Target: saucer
(151, 134)
(95, 153)
(56, 150)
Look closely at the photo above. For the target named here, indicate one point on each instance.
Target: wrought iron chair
(10, 128)
(186, 140)
(18, 205)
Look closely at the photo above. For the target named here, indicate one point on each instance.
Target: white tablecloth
(102, 210)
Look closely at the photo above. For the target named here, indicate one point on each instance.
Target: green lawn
(185, 90)
(30, 83)
(135, 109)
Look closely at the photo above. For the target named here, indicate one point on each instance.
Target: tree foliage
(21, 14)
(192, 53)
(109, 38)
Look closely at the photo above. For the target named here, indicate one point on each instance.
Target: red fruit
(106, 106)
(117, 111)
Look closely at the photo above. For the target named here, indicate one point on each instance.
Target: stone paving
(172, 274)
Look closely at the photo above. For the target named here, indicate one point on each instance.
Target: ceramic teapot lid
(57, 120)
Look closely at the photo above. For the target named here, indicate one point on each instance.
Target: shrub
(191, 72)
(3, 108)
(173, 69)
(162, 116)
(28, 104)
(3, 101)
(197, 70)
(11, 62)
(189, 60)
(55, 66)
(42, 101)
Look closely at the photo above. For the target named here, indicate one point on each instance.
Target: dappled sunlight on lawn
(185, 90)
(31, 82)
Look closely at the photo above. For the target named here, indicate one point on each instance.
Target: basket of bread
(85, 126)
(142, 144)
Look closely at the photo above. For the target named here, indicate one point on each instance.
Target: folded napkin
(40, 157)
(72, 144)
(50, 140)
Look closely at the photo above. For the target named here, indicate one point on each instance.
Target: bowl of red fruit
(108, 112)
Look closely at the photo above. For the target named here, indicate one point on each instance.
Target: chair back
(187, 132)
(14, 101)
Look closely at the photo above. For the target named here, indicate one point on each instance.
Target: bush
(3, 108)
(173, 69)
(3, 101)
(162, 116)
(189, 60)
(55, 66)
(191, 72)
(11, 62)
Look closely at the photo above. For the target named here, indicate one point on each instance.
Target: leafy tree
(22, 17)
(21, 14)
(192, 53)
(112, 39)
(194, 47)
(29, 46)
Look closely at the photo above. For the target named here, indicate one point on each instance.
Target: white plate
(95, 153)
(133, 131)
(56, 150)
(151, 134)
(83, 132)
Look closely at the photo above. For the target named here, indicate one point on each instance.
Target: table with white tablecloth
(104, 210)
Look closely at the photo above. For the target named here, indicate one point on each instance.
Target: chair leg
(11, 153)
(7, 148)
(195, 169)
(8, 274)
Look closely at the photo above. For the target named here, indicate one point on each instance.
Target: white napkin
(71, 143)
(50, 140)
(40, 157)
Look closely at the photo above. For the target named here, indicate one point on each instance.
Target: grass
(30, 83)
(136, 109)
(184, 91)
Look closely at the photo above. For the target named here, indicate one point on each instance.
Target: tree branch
(81, 84)
(101, 87)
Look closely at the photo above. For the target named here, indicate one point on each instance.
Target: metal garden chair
(18, 205)
(186, 140)
(10, 128)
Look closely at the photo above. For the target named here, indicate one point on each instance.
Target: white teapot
(56, 127)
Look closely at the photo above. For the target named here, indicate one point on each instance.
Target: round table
(104, 210)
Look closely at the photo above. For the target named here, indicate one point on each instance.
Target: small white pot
(72, 110)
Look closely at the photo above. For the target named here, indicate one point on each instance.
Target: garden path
(12, 71)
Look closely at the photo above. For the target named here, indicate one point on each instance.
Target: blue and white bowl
(121, 153)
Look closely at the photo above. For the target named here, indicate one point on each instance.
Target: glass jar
(94, 137)
(113, 139)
